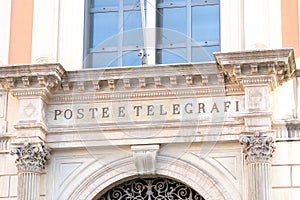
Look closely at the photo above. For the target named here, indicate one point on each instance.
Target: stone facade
(184, 122)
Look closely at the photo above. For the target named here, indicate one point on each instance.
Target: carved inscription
(155, 110)
(146, 110)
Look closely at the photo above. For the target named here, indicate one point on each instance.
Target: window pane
(103, 25)
(131, 2)
(166, 56)
(131, 58)
(104, 3)
(104, 59)
(173, 18)
(133, 34)
(205, 53)
(133, 39)
(169, 1)
(132, 20)
(172, 26)
(205, 23)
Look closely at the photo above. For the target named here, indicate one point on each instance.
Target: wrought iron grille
(151, 189)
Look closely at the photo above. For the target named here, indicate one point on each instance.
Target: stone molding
(268, 67)
(145, 158)
(31, 157)
(31, 80)
(226, 77)
(258, 147)
(287, 129)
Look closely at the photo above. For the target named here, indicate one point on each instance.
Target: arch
(120, 171)
(151, 188)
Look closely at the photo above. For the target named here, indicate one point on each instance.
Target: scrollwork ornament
(31, 157)
(258, 147)
(151, 189)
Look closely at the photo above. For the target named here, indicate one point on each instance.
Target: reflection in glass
(204, 53)
(104, 3)
(169, 1)
(176, 55)
(131, 2)
(104, 59)
(131, 58)
(205, 23)
(103, 26)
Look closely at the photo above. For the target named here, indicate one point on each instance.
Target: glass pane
(131, 58)
(131, 2)
(166, 56)
(173, 18)
(101, 60)
(133, 38)
(103, 26)
(169, 1)
(132, 20)
(205, 23)
(133, 34)
(104, 3)
(205, 53)
(172, 24)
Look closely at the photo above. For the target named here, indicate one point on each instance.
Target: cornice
(31, 80)
(232, 72)
(271, 67)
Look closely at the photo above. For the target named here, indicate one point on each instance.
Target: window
(184, 31)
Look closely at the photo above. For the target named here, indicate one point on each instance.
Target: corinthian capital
(258, 147)
(31, 157)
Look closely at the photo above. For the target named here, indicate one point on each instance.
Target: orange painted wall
(21, 31)
(290, 25)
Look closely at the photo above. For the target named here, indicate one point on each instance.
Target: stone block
(285, 193)
(4, 186)
(296, 176)
(13, 187)
(281, 176)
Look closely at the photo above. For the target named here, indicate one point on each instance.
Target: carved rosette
(258, 147)
(31, 157)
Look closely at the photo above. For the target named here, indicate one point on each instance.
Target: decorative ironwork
(151, 189)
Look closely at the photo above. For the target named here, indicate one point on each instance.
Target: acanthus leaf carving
(258, 147)
(31, 157)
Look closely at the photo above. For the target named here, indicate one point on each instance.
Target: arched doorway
(154, 188)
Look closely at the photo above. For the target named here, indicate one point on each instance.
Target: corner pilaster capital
(259, 67)
(258, 147)
(31, 80)
(31, 157)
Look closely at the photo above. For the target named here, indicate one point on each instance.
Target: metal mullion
(120, 33)
(173, 46)
(204, 2)
(103, 9)
(205, 43)
(189, 31)
(171, 5)
(87, 36)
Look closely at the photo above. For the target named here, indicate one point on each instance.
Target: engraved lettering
(189, 111)
(150, 111)
(137, 108)
(121, 111)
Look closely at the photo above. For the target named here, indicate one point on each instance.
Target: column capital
(258, 147)
(31, 157)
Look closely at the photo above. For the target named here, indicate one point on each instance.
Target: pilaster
(32, 86)
(258, 150)
(31, 162)
(259, 73)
